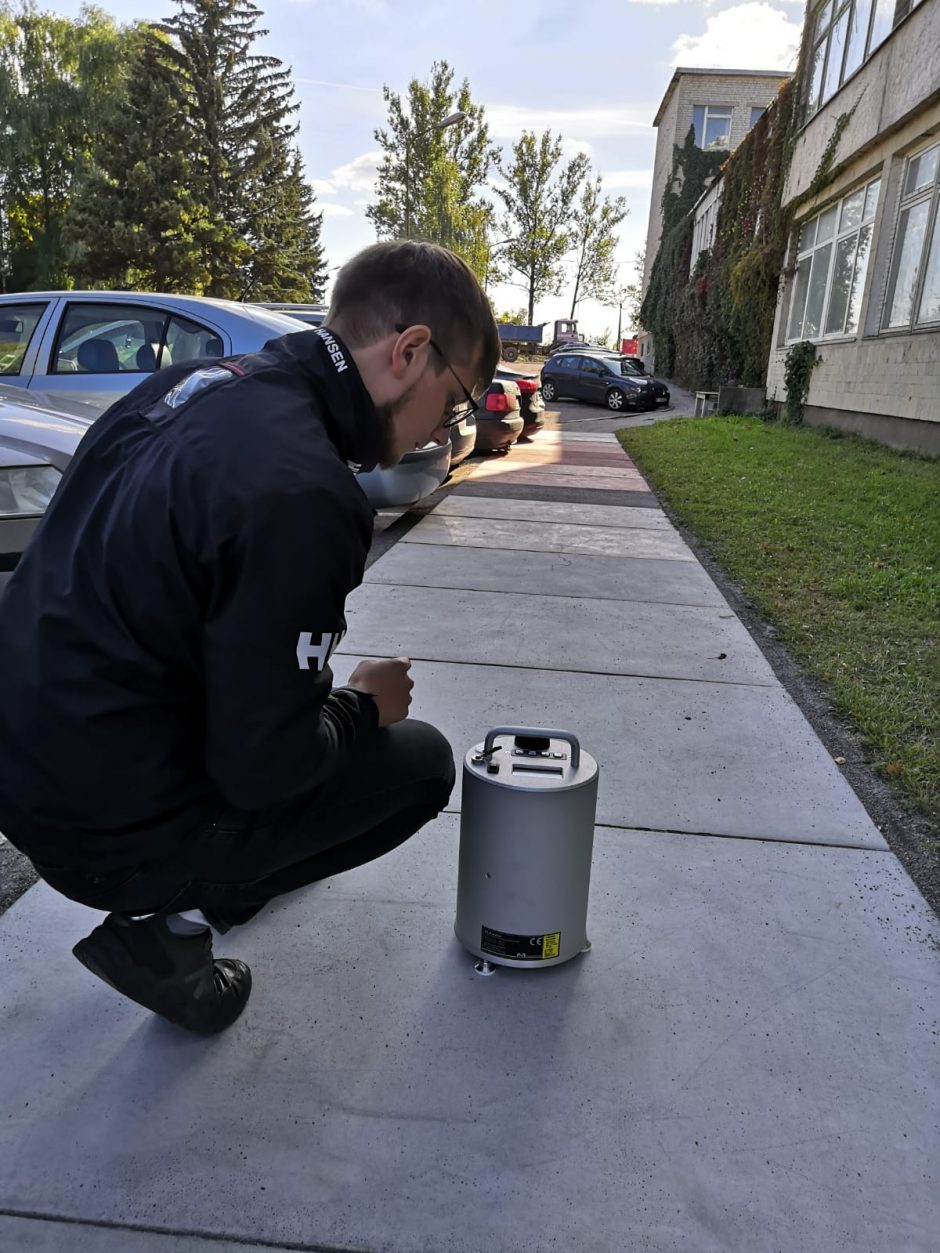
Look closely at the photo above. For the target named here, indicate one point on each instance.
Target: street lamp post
(452, 120)
(490, 249)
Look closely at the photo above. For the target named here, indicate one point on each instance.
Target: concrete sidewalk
(746, 1060)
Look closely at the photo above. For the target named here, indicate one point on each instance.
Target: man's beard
(388, 458)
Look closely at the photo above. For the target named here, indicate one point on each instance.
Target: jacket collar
(348, 411)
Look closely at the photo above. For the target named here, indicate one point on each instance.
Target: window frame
(929, 195)
(822, 38)
(723, 111)
(43, 306)
(839, 234)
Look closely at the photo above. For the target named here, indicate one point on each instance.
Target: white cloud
(753, 35)
(508, 121)
(572, 147)
(322, 187)
(362, 204)
(334, 210)
(664, 3)
(624, 180)
(358, 175)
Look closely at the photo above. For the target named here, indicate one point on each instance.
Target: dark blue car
(604, 378)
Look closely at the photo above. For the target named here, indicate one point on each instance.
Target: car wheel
(548, 390)
(616, 400)
(510, 354)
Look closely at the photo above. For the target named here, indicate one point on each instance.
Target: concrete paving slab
(746, 1060)
(525, 537)
(565, 454)
(717, 758)
(553, 633)
(547, 574)
(461, 505)
(578, 437)
(43, 1235)
(573, 495)
(599, 476)
(548, 476)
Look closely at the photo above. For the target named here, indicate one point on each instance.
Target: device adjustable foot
(587, 946)
(483, 967)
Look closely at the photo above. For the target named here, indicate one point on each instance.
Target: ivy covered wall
(716, 327)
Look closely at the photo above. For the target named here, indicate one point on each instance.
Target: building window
(703, 232)
(832, 258)
(757, 112)
(914, 283)
(845, 34)
(712, 127)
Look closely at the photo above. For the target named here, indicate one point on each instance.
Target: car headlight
(25, 491)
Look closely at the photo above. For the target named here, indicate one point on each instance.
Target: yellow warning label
(551, 944)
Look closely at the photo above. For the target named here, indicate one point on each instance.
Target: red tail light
(499, 402)
(527, 386)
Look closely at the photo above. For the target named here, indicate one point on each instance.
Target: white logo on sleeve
(322, 650)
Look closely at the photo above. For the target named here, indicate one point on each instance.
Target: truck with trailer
(516, 339)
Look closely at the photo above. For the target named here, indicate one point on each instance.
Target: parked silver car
(312, 315)
(95, 346)
(37, 443)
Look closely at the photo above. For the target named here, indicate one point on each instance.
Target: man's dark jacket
(164, 639)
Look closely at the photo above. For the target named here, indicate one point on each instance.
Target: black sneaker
(173, 975)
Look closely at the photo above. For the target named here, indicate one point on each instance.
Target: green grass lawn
(837, 542)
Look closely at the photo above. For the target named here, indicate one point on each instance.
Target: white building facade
(862, 280)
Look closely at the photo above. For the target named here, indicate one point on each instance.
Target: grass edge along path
(836, 542)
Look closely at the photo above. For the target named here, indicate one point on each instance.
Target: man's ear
(410, 348)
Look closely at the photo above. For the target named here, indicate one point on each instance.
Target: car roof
(257, 313)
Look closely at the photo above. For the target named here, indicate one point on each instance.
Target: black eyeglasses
(458, 413)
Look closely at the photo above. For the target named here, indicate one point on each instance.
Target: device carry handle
(568, 736)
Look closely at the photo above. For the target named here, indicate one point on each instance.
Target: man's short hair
(416, 283)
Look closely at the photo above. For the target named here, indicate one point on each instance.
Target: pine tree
(240, 107)
(142, 186)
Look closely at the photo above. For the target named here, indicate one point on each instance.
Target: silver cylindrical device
(526, 840)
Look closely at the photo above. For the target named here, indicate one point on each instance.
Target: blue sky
(592, 72)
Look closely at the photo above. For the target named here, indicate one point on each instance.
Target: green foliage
(430, 177)
(142, 184)
(61, 83)
(716, 326)
(512, 317)
(152, 156)
(245, 165)
(594, 221)
(799, 364)
(538, 198)
(835, 541)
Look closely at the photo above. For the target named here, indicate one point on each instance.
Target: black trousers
(386, 791)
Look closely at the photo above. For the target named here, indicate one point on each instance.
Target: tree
(595, 218)
(143, 186)
(628, 297)
(60, 86)
(538, 199)
(512, 317)
(430, 176)
(240, 105)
